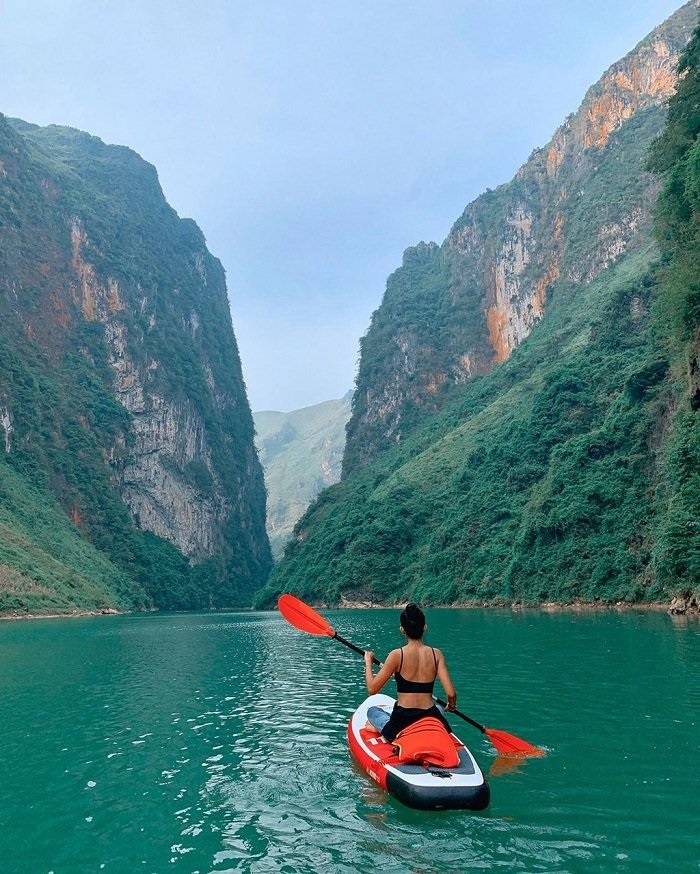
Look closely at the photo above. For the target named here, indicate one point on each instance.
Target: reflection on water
(506, 765)
(200, 743)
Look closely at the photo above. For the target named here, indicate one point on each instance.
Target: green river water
(216, 743)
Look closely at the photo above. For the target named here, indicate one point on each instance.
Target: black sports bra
(404, 685)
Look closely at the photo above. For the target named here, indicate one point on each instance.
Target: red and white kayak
(423, 786)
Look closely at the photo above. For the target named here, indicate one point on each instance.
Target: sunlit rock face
(577, 206)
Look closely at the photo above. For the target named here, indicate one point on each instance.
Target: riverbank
(678, 605)
(67, 614)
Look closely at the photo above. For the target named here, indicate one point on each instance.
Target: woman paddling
(415, 668)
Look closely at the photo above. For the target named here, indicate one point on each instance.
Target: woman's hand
(452, 702)
(369, 674)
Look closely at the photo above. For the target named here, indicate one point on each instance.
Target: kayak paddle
(305, 618)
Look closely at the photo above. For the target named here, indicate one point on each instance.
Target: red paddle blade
(510, 745)
(303, 617)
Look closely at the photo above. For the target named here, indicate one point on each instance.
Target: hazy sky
(314, 140)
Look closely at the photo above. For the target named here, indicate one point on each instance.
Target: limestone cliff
(127, 400)
(575, 207)
(570, 471)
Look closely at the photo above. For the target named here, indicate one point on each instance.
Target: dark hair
(413, 621)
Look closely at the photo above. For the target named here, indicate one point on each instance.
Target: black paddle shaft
(356, 649)
(442, 703)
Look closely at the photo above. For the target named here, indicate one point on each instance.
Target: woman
(415, 668)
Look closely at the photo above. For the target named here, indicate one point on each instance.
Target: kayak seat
(465, 767)
(426, 742)
(386, 753)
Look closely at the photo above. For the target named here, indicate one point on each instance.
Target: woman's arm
(446, 680)
(376, 684)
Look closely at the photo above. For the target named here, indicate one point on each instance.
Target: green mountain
(128, 472)
(578, 205)
(301, 453)
(525, 426)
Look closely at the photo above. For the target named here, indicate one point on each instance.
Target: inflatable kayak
(419, 784)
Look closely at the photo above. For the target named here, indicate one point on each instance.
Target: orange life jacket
(427, 742)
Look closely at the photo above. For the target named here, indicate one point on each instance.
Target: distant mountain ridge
(301, 453)
(122, 404)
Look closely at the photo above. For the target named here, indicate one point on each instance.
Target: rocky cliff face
(103, 285)
(570, 471)
(166, 434)
(458, 310)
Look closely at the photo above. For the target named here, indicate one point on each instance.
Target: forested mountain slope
(128, 473)
(578, 205)
(301, 452)
(569, 468)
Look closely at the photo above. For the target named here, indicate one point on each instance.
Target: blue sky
(314, 140)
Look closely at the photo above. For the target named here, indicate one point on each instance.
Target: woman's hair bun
(413, 621)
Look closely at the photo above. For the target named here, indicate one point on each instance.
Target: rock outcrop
(686, 603)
